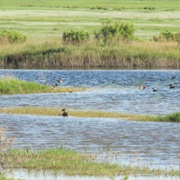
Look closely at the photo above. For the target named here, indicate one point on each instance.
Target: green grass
(175, 117)
(43, 22)
(100, 4)
(40, 19)
(4, 177)
(72, 163)
(11, 85)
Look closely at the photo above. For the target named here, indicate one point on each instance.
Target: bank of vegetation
(91, 34)
(12, 85)
(113, 46)
(67, 162)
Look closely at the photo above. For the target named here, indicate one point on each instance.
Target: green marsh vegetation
(11, 85)
(71, 163)
(44, 23)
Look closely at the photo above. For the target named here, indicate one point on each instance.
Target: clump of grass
(175, 117)
(11, 85)
(72, 163)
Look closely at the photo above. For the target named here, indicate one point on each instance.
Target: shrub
(115, 30)
(12, 37)
(75, 37)
(167, 36)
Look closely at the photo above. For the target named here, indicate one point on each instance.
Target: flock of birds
(65, 114)
(171, 86)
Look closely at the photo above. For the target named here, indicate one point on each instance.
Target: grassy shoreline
(71, 163)
(92, 55)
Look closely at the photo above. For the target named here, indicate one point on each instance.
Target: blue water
(151, 143)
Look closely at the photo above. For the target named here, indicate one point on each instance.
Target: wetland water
(129, 142)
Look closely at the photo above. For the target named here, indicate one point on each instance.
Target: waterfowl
(56, 85)
(172, 86)
(60, 80)
(154, 89)
(142, 87)
(64, 113)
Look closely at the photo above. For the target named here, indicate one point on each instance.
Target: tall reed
(94, 54)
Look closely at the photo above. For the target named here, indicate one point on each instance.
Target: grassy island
(11, 85)
(47, 111)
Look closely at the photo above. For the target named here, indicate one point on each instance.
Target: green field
(44, 22)
(47, 19)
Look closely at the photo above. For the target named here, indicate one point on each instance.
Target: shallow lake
(126, 142)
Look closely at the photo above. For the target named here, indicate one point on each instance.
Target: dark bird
(154, 89)
(56, 85)
(172, 86)
(64, 113)
(173, 77)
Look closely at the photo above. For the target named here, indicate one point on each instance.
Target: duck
(64, 113)
(173, 77)
(60, 80)
(154, 89)
(142, 87)
(171, 86)
(55, 85)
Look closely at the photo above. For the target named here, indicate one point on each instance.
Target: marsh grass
(48, 111)
(175, 117)
(94, 54)
(11, 85)
(72, 163)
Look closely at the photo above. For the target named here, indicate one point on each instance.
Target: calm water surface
(147, 143)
